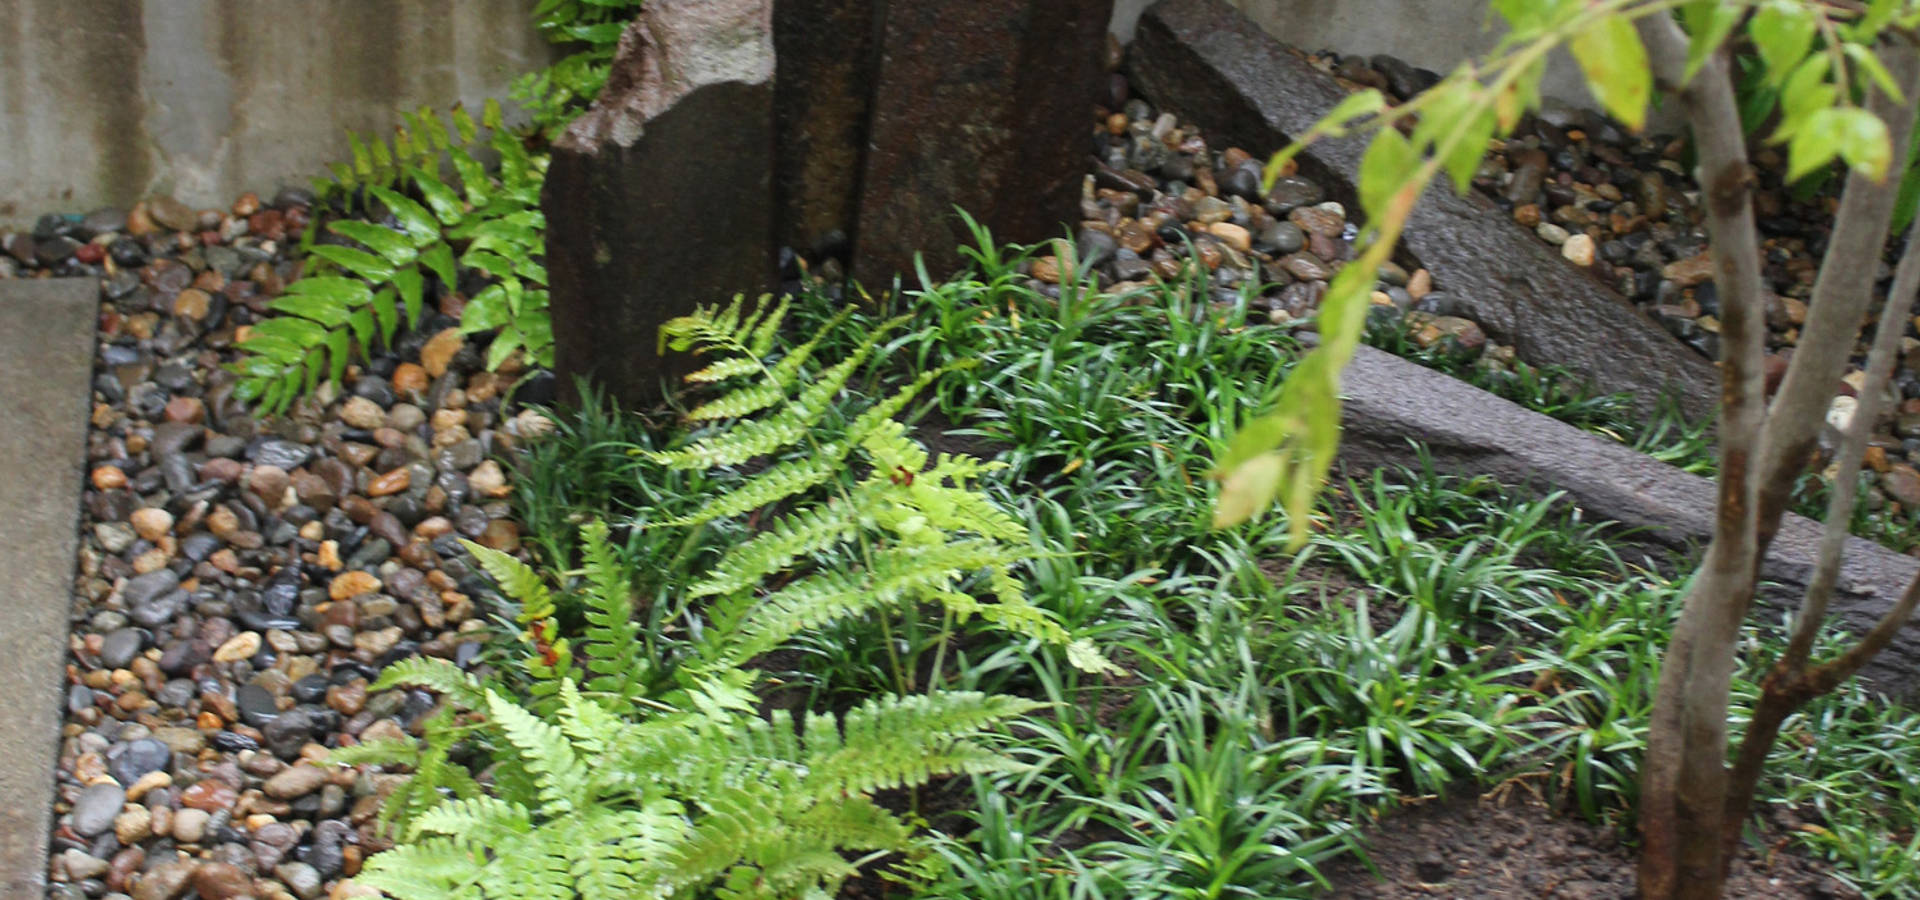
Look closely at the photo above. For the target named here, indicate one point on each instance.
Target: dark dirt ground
(1474, 850)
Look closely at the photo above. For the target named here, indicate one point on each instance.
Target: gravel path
(242, 581)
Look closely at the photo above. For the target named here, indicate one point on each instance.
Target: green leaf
(362, 163)
(1388, 163)
(439, 260)
(1806, 92)
(446, 204)
(338, 347)
(359, 262)
(488, 309)
(1464, 159)
(386, 314)
(1865, 143)
(1615, 63)
(463, 124)
(1709, 22)
(364, 328)
(1814, 144)
(385, 241)
(407, 282)
(381, 158)
(490, 115)
(502, 347)
(1865, 61)
(419, 223)
(1784, 33)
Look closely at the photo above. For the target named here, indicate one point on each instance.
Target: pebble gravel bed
(243, 580)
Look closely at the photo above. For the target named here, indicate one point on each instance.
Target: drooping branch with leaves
(1847, 78)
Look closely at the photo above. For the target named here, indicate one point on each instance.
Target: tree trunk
(1683, 795)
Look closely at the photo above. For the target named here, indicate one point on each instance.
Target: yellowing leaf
(1615, 63)
(1249, 489)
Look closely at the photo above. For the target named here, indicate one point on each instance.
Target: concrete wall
(105, 101)
(1432, 34)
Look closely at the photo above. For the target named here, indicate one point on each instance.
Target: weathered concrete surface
(826, 60)
(46, 362)
(659, 197)
(104, 101)
(1208, 62)
(981, 105)
(1392, 402)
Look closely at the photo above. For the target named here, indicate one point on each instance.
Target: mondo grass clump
(1438, 636)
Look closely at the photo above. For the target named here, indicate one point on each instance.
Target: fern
(355, 297)
(619, 772)
(669, 805)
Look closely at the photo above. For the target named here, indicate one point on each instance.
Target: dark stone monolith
(826, 56)
(1206, 61)
(659, 197)
(980, 105)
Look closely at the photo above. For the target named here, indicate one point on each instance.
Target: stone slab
(981, 105)
(1393, 403)
(826, 57)
(46, 365)
(1206, 61)
(659, 197)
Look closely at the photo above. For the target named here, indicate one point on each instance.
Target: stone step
(1393, 403)
(46, 364)
(1206, 61)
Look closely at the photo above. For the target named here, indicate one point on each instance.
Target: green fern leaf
(516, 579)
(777, 483)
(788, 539)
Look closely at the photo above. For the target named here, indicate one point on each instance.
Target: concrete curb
(46, 363)
(1392, 403)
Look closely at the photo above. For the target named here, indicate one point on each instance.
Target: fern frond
(829, 596)
(432, 869)
(786, 540)
(613, 648)
(904, 740)
(785, 428)
(544, 750)
(725, 369)
(478, 822)
(438, 675)
(778, 482)
(516, 579)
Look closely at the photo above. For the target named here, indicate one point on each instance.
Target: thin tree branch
(1840, 299)
(1872, 398)
(1788, 686)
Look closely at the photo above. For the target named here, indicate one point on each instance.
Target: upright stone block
(826, 59)
(659, 197)
(981, 105)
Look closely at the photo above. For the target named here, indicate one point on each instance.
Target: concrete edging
(46, 362)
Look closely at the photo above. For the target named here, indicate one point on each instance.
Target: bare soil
(1480, 849)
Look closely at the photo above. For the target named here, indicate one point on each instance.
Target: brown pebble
(189, 410)
(391, 483)
(439, 350)
(109, 478)
(348, 585)
(210, 795)
(410, 378)
(192, 303)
